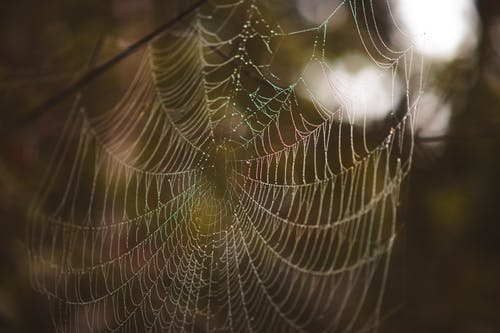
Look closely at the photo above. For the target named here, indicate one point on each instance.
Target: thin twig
(450, 138)
(99, 70)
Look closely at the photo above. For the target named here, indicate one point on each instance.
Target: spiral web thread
(214, 198)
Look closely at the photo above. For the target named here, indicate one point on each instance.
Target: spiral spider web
(215, 197)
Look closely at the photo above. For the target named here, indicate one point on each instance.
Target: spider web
(218, 196)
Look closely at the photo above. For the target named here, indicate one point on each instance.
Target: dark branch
(452, 138)
(99, 70)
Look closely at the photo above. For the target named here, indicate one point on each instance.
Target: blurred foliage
(446, 269)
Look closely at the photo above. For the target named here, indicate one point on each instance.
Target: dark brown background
(446, 270)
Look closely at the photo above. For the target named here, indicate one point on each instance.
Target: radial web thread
(218, 196)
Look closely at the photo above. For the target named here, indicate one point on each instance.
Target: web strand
(219, 195)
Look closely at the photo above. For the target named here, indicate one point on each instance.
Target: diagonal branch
(99, 70)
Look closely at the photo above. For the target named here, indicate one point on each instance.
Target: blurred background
(445, 275)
